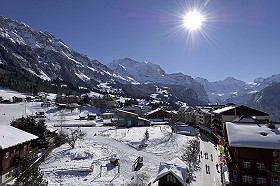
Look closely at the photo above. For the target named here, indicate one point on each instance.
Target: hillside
(268, 100)
(149, 73)
(37, 54)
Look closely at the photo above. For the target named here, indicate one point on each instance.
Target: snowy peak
(21, 33)
(142, 72)
(147, 72)
(233, 90)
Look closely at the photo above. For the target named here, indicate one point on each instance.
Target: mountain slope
(268, 100)
(49, 58)
(149, 73)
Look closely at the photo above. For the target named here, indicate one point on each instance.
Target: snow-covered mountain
(147, 73)
(231, 90)
(47, 57)
(268, 100)
(32, 59)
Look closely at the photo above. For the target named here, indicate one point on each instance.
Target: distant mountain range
(39, 55)
(231, 90)
(149, 73)
(35, 59)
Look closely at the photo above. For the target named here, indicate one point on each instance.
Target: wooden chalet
(173, 173)
(159, 114)
(130, 119)
(14, 145)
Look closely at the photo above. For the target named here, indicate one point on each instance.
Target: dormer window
(264, 133)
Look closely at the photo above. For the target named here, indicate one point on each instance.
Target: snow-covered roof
(219, 111)
(176, 167)
(10, 136)
(158, 109)
(253, 136)
(143, 119)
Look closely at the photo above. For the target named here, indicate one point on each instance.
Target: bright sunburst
(193, 20)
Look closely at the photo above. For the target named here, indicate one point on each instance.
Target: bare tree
(140, 179)
(73, 136)
(191, 152)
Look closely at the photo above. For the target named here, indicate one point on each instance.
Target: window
(275, 168)
(171, 178)
(260, 166)
(7, 165)
(261, 181)
(247, 179)
(25, 148)
(234, 173)
(275, 182)
(247, 164)
(7, 154)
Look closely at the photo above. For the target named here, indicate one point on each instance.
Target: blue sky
(238, 38)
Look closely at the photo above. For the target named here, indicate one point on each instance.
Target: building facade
(14, 145)
(252, 152)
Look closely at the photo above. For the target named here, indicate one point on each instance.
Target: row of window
(8, 154)
(261, 180)
(260, 166)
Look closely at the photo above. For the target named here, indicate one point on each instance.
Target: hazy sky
(238, 38)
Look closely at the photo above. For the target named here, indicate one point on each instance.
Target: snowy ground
(66, 166)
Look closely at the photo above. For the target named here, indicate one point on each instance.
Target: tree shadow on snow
(195, 168)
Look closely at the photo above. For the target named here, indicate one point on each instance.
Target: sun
(193, 20)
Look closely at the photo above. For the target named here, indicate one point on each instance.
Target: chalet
(92, 116)
(108, 115)
(67, 99)
(104, 103)
(40, 115)
(173, 173)
(14, 145)
(135, 109)
(18, 99)
(251, 153)
(28, 98)
(185, 109)
(46, 104)
(129, 119)
(230, 113)
(159, 114)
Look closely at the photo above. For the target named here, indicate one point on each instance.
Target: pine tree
(28, 173)
(147, 135)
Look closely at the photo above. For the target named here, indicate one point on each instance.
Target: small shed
(173, 173)
(91, 116)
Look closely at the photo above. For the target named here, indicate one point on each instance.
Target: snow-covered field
(65, 166)
(88, 163)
